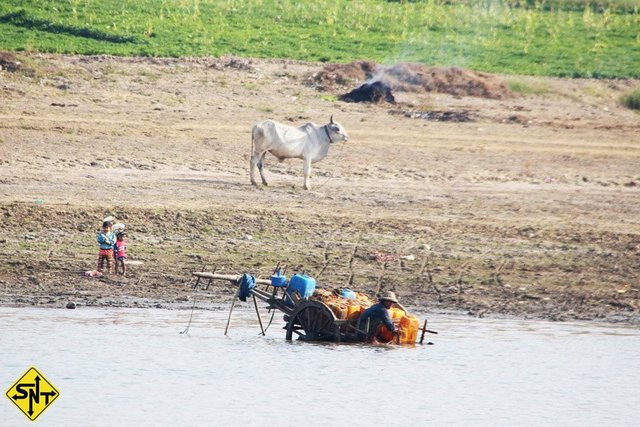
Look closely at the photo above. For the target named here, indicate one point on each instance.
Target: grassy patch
(524, 88)
(329, 98)
(594, 90)
(632, 99)
(150, 76)
(568, 38)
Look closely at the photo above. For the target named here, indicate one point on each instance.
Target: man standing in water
(377, 315)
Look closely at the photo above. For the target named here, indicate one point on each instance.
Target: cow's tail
(254, 132)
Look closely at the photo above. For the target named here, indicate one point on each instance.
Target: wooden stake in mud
(255, 303)
(424, 329)
(235, 297)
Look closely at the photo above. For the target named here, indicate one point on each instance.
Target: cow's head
(336, 131)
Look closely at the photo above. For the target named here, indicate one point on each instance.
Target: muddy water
(132, 367)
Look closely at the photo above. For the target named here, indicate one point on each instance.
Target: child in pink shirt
(121, 252)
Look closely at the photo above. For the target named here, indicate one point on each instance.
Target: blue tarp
(247, 283)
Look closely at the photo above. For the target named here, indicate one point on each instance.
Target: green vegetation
(329, 98)
(632, 99)
(523, 88)
(573, 38)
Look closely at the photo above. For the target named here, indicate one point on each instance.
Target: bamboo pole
(228, 277)
(264, 296)
(235, 297)
(255, 303)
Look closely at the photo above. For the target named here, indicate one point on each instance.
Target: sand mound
(408, 77)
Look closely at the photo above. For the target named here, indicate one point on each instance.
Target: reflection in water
(132, 367)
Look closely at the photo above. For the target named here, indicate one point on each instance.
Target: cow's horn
(331, 121)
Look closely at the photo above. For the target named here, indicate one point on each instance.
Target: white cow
(309, 143)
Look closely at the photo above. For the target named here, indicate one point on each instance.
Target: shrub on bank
(632, 99)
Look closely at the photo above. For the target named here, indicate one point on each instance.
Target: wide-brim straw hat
(388, 296)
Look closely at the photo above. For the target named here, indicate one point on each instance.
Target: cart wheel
(312, 321)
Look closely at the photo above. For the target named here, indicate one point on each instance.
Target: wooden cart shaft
(261, 294)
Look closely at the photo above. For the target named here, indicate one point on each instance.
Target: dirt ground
(529, 208)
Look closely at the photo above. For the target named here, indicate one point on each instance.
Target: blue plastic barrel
(302, 283)
(278, 280)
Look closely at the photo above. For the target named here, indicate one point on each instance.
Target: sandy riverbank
(531, 209)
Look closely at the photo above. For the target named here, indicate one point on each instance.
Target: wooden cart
(306, 319)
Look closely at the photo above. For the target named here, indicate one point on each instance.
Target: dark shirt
(376, 312)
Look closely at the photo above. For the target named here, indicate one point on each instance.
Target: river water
(132, 367)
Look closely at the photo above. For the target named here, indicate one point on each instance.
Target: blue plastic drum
(302, 283)
(278, 280)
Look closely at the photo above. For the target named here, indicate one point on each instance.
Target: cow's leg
(307, 174)
(256, 159)
(261, 169)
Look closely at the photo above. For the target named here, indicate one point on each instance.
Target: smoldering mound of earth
(375, 92)
(410, 77)
(337, 77)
